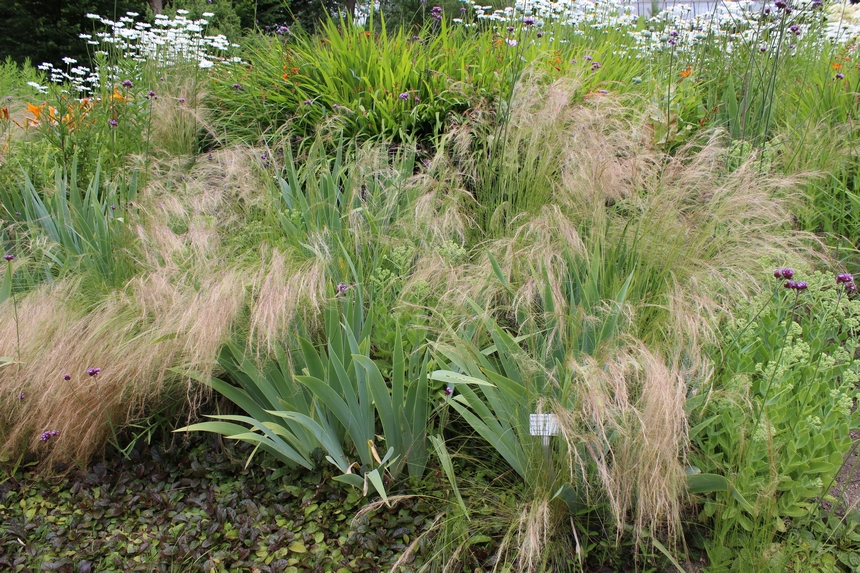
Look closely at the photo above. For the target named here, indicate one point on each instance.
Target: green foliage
(188, 505)
(396, 85)
(337, 397)
(776, 418)
(72, 229)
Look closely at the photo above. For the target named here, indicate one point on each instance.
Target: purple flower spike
(9, 257)
(787, 273)
(67, 377)
(844, 278)
(45, 436)
(404, 95)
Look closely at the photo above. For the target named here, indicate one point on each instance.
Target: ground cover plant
(368, 255)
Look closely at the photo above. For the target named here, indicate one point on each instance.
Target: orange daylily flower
(686, 73)
(119, 97)
(37, 110)
(836, 65)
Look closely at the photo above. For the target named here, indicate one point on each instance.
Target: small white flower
(204, 63)
(69, 61)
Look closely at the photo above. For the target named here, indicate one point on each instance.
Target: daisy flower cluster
(680, 28)
(167, 42)
(596, 13)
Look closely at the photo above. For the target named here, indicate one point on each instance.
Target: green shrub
(776, 416)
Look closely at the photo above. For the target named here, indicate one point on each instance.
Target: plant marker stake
(545, 426)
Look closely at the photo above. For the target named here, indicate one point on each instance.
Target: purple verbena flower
(595, 66)
(510, 28)
(844, 278)
(9, 257)
(840, 76)
(762, 48)
(449, 390)
(67, 377)
(94, 371)
(529, 21)
(181, 100)
(404, 95)
(540, 34)
(45, 436)
(851, 287)
(786, 272)
(341, 288)
(151, 94)
(55, 433)
(113, 207)
(21, 396)
(127, 84)
(780, 4)
(113, 122)
(237, 87)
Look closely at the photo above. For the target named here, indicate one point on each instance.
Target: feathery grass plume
(134, 335)
(284, 292)
(179, 116)
(829, 202)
